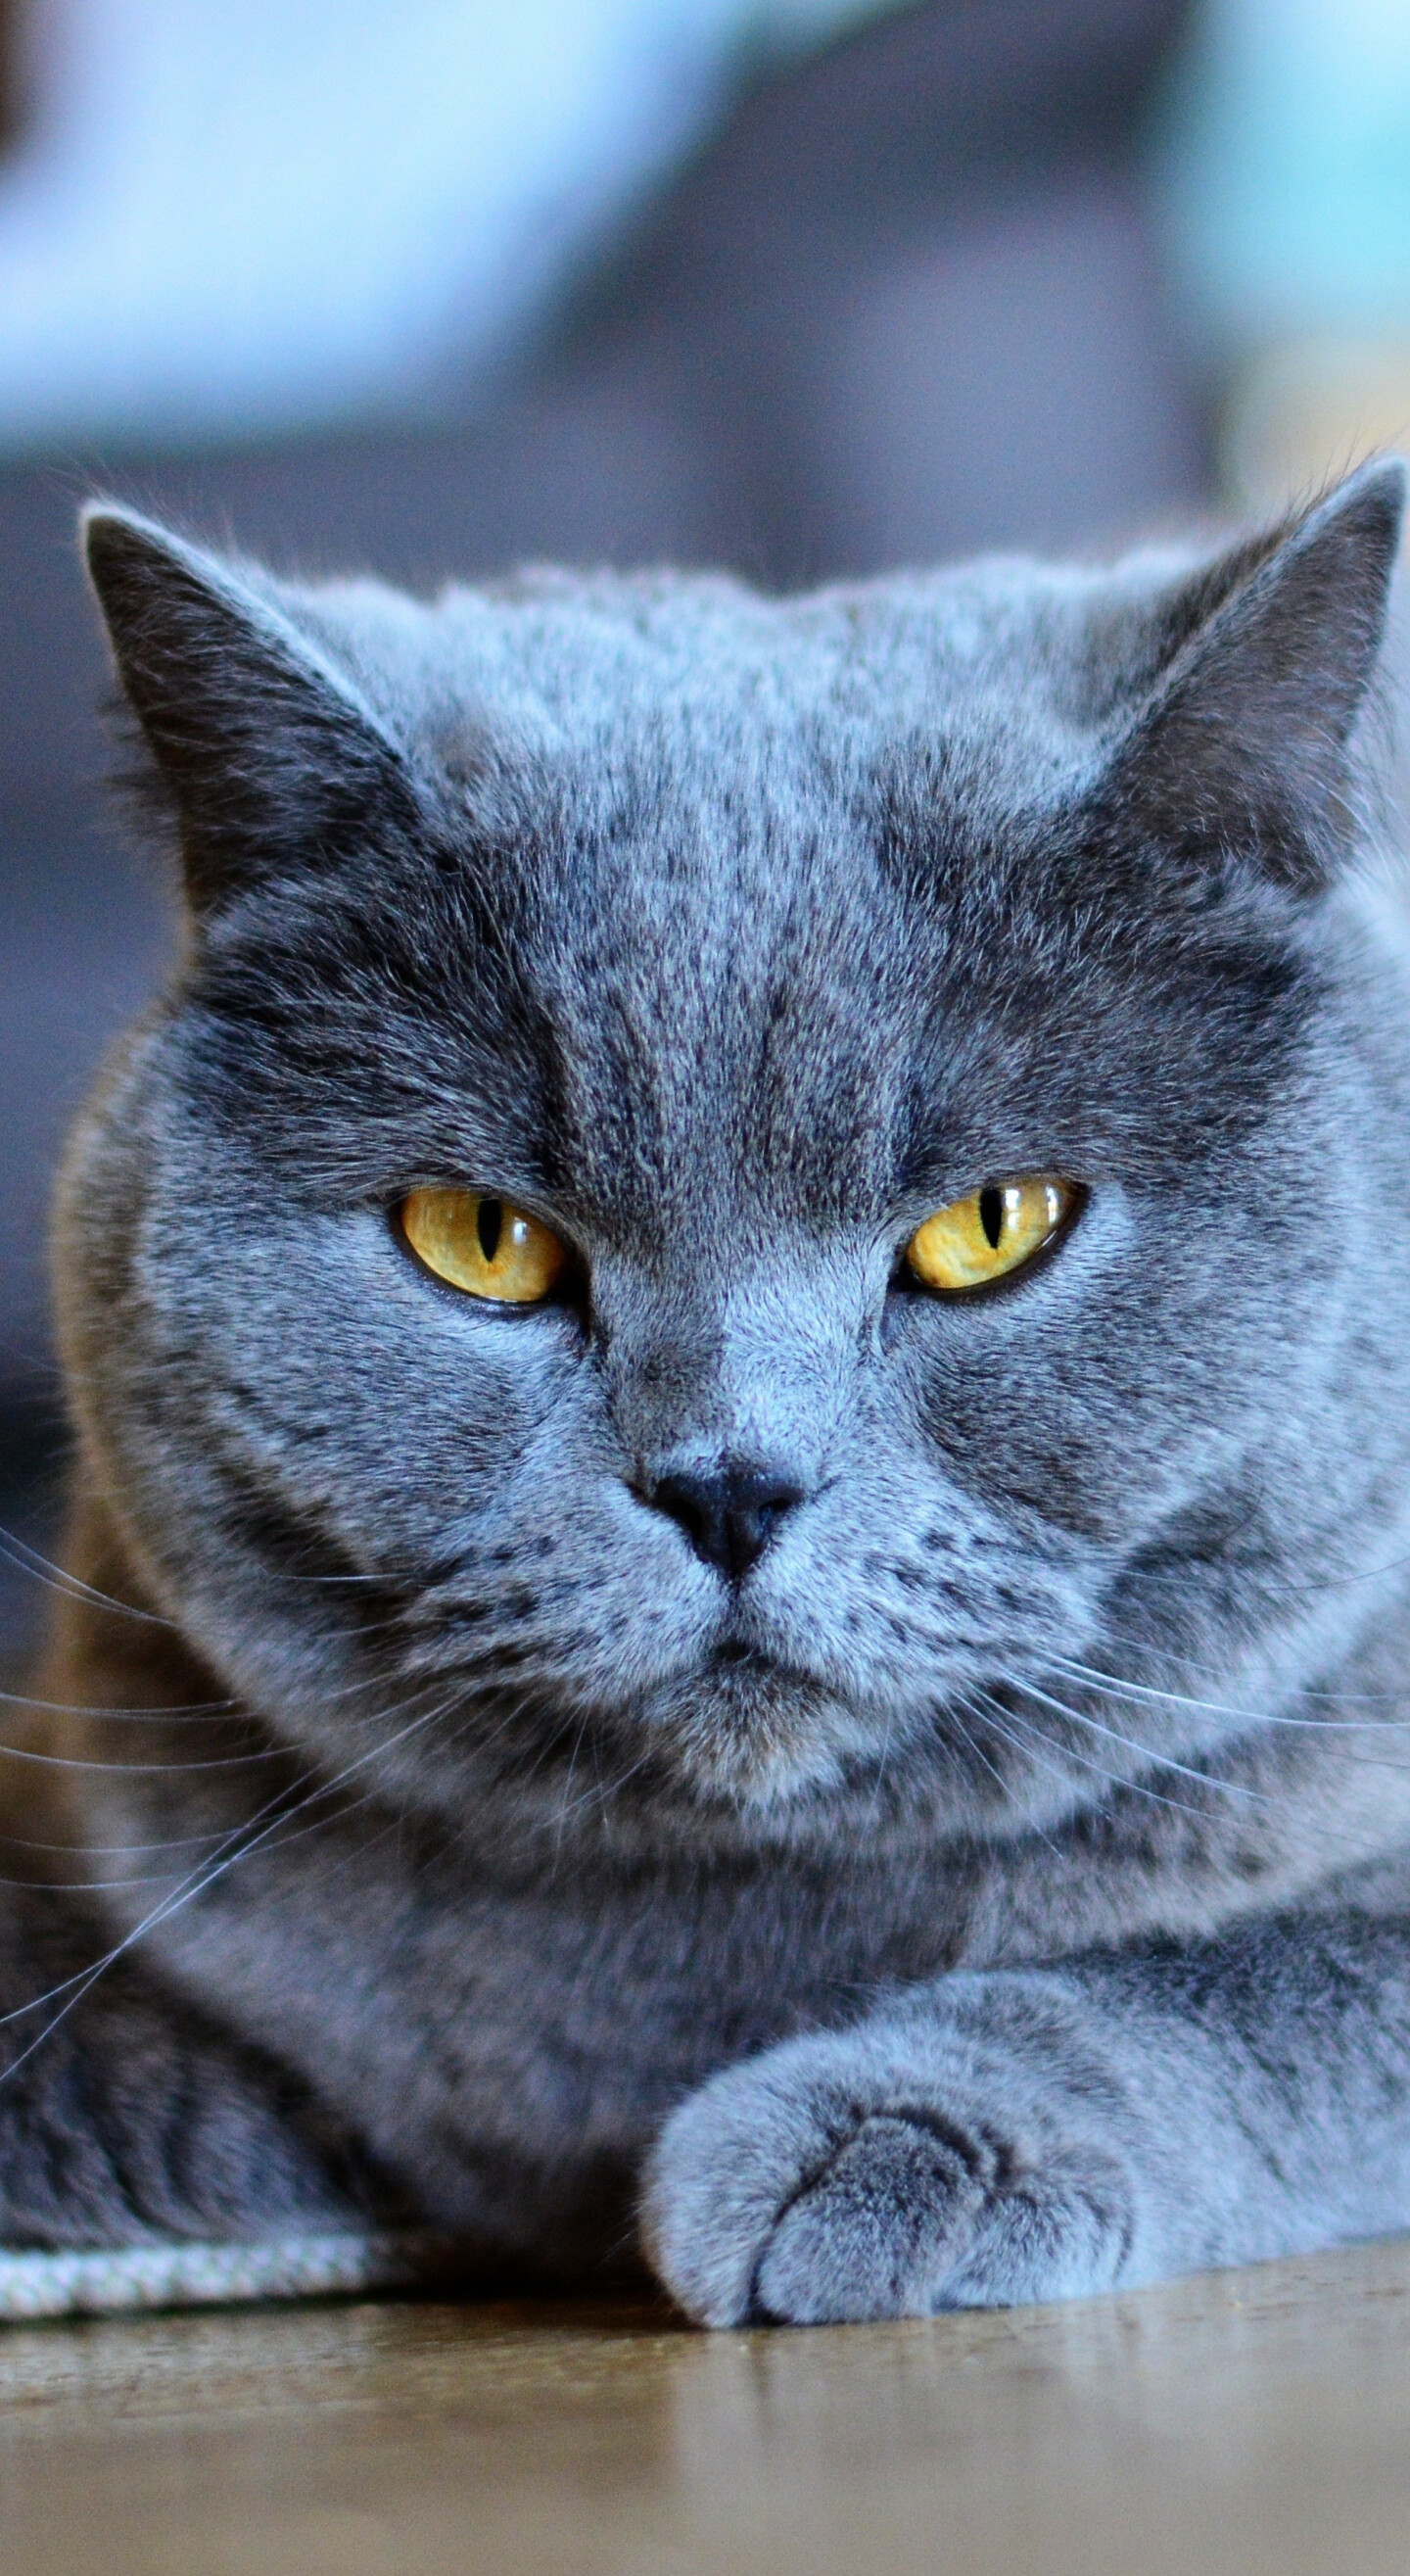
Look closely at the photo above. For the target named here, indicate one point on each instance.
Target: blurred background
(802, 287)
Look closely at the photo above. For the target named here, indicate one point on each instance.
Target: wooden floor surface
(1250, 2422)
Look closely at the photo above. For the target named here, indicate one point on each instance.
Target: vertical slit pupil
(489, 1225)
(991, 1216)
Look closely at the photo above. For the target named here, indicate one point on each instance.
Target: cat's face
(730, 942)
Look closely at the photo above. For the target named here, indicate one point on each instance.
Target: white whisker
(1131, 1744)
(27, 1560)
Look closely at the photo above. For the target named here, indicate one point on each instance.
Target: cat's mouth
(740, 1661)
(744, 1673)
(733, 1655)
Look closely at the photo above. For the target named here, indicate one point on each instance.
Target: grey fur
(1000, 1891)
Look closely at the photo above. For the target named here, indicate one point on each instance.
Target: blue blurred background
(803, 287)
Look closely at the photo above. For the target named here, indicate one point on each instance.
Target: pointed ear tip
(113, 540)
(1377, 490)
(102, 522)
(1390, 472)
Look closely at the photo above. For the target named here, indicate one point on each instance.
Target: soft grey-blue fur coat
(993, 1881)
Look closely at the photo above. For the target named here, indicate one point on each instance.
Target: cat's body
(1036, 1777)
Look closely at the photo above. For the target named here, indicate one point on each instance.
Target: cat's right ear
(268, 756)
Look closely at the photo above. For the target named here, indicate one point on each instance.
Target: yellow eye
(489, 1247)
(992, 1232)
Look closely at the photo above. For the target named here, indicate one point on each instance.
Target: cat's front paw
(866, 2175)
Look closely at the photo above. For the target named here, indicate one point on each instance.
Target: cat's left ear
(265, 750)
(1244, 745)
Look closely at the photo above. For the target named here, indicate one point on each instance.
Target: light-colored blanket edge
(106, 2280)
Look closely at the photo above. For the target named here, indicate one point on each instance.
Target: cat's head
(735, 1197)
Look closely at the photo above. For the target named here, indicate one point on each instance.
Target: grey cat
(740, 1342)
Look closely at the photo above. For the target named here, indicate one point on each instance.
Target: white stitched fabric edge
(108, 2279)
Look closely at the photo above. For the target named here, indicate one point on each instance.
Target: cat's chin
(758, 1734)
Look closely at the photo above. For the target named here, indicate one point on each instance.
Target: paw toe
(876, 2234)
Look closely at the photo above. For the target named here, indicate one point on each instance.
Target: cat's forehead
(699, 667)
(696, 788)
(677, 768)
(696, 798)
(696, 677)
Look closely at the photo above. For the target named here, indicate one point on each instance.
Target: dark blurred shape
(11, 92)
(906, 306)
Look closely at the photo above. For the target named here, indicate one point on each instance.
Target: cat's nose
(729, 1518)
